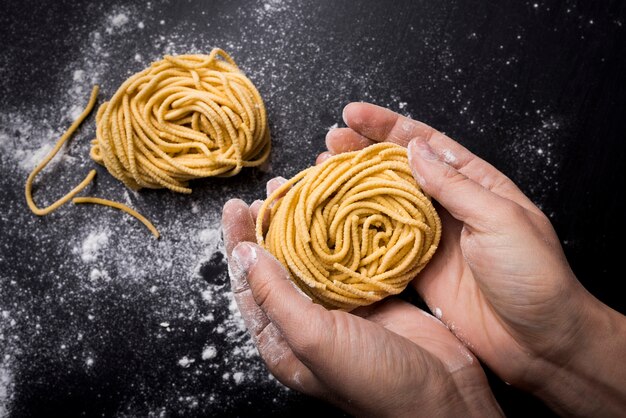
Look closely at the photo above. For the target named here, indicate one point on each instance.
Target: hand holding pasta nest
(354, 229)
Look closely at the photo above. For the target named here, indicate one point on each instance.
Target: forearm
(593, 381)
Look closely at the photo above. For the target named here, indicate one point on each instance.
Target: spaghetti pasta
(354, 229)
(183, 118)
(120, 206)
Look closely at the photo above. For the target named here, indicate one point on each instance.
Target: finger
(465, 199)
(271, 187)
(254, 211)
(237, 224)
(342, 140)
(276, 352)
(276, 294)
(283, 363)
(380, 124)
(323, 157)
(274, 184)
(306, 327)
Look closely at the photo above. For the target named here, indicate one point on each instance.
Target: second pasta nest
(182, 118)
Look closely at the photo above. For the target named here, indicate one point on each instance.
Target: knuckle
(262, 292)
(451, 179)
(310, 345)
(270, 348)
(510, 213)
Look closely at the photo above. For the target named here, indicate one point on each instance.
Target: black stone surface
(537, 88)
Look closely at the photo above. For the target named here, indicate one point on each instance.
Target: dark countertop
(97, 318)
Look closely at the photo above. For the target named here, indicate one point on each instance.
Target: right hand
(500, 280)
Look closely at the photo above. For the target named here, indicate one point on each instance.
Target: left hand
(387, 359)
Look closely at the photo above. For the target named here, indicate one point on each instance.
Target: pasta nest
(354, 229)
(184, 117)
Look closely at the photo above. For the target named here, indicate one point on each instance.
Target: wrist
(587, 377)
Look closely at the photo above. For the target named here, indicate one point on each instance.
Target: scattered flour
(6, 386)
(116, 22)
(29, 160)
(79, 75)
(93, 245)
(273, 6)
(209, 237)
(98, 274)
(209, 353)
(119, 276)
(238, 377)
(186, 362)
(119, 20)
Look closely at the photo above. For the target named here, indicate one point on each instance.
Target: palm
(421, 329)
(448, 286)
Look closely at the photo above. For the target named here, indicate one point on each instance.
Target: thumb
(301, 322)
(466, 200)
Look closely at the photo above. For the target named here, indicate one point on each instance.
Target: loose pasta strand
(64, 138)
(120, 206)
(68, 134)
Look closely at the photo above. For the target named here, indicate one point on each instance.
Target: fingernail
(422, 149)
(411, 151)
(323, 157)
(233, 209)
(274, 184)
(329, 135)
(254, 208)
(241, 261)
(343, 114)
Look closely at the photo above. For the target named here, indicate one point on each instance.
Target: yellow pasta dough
(354, 229)
(183, 118)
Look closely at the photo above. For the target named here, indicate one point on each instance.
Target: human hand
(499, 279)
(392, 360)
